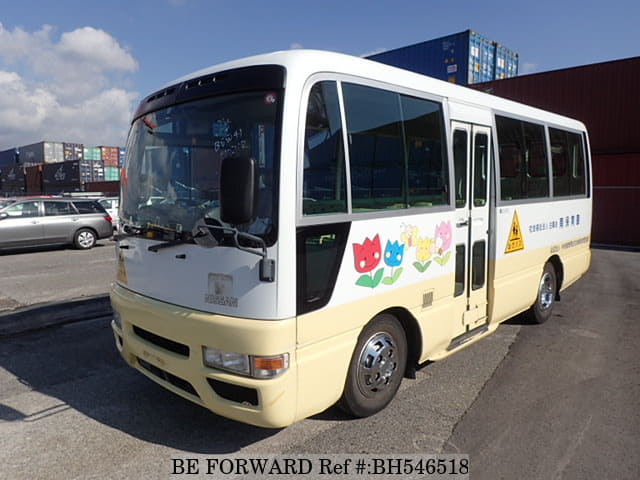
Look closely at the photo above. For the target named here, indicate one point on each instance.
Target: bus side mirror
(238, 190)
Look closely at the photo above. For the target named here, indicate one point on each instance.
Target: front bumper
(164, 342)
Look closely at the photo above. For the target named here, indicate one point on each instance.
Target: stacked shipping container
(463, 58)
(73, 151)
(8, 157)
(12, 180)
(42, 152)
(54, 167)
(606, 97)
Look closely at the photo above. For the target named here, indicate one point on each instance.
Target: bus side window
(324, 184)
(396, 153)
(376, 150)
(523, 159)
(567, 163)
(320, 249)
(427, 166)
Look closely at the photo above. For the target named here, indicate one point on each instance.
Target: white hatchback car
(111, 205)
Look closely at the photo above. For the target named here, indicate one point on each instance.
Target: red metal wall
(606, 97)
(616, 200)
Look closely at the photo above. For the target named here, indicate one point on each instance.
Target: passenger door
(22, 227)
(472, 144)
(59, 222)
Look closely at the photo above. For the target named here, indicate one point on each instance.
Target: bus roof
(301, 63)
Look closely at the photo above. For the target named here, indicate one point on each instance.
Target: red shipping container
(33, 177)
(616, 170)
(615, 216)
(605, 96)
(110, 156)
(104, 187)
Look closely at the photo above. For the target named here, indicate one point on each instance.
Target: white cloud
(65, 88)
(528, 67)
(296, 46)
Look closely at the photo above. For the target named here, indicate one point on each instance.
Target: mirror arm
(267, 266)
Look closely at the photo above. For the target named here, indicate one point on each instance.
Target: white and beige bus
(305, 228)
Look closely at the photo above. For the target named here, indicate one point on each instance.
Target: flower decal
(393, 254)
(424, 249)
(443, 237)
(409, 235)
(367, 255)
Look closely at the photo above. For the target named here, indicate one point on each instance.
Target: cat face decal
(444, 236)
(393, 254)
(367, 255)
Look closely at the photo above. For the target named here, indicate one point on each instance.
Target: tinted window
(480, 166)
(567, 162)
(427, 168)
(395, 150)
(376, 150)
(460, 165)
(478, 262)
(319, 253)
(523, 159)
(58, 208)
(88, 206)
(324, 184)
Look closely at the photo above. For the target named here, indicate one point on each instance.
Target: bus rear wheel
(541, 310)
(377, 367)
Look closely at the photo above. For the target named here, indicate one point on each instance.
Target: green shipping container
(111, 174)
(92, 153)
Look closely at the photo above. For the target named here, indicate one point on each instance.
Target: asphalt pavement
(552, 401)
(42, 288)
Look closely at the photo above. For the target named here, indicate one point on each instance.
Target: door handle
(462, 223)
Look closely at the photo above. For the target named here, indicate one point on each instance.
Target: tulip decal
(443, 239)
(393, 255)
(366, 257)
(424, 250)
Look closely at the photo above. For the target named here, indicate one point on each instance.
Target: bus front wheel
(547, 289)
(377, 367)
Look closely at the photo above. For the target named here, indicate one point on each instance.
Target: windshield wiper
(170, 243)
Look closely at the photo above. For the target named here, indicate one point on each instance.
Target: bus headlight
(234, 362)
(250, 365)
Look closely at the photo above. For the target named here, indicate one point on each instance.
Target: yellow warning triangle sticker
(516, 241)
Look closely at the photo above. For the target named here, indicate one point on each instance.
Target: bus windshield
(171, 178)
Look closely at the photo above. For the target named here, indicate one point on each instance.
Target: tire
(84, 239)
(376, 369)
(547, 288)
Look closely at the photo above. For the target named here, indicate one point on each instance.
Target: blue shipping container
(463, 58)
(506, 63)
(122, 151)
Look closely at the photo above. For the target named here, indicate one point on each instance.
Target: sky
(74, 70)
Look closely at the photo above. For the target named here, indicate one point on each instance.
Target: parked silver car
(42, 221)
